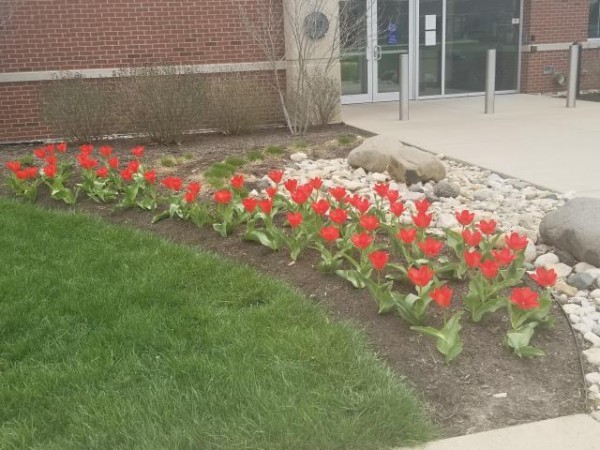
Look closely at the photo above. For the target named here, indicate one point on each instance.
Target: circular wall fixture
(316, 25)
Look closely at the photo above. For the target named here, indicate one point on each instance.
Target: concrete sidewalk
(531, 137)
(578, 432)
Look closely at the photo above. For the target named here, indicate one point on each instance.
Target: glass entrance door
(453, 38)
(373, 33)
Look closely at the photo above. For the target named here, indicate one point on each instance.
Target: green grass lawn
(111, 338)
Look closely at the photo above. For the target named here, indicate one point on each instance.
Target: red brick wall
(21, 107)
(46, 35)
(556, 21)
(77, 34)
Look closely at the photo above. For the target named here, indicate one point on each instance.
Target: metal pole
(403, 75)
(490, 82)
(572, 80)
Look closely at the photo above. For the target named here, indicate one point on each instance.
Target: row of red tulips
(380, 244)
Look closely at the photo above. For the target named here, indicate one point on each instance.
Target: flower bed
(381, 245)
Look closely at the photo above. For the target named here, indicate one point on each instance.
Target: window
(594, 24)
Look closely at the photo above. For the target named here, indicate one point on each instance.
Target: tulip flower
(442, 296)
(338, 216)
(369, 223)
(338, 192)
(294, 219)
(489, 269)
(320, 207)
(525, 298)
(330, 234)
(250, 204)
(487, 227)
(431, 247)
(422, 220)
(422, 206)
(237, 181)
(172, 183)
(379, 259)
(472, 259)
(138, 151)
(223, 196)
(362, 240)
(544, 277)
(471, 238)
(516, 242)
(276, 176)
(465, 217)
(421, 276)
(407, 235)
(381, 189)
(505, 257)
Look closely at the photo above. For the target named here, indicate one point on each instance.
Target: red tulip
(194, 187)
(422, 220)
(397, 208)
(173, 183)
(504, 257)
(102, 172)
(61, 147)
(51, 160)
(113, 163)
(295, 219)
(126, 174)
(271, 191)
(50, 148)
(338, 215)
(330, 234)
(138, 151)
(250, 204)
(266, 205)
(361, 204)
(442, 296)
(237, 181)
(86, 162)
(106, 151)
(50, 171)
(465, 217)
(489, 269)
(487, 227)
(13, 166)
(431, 247)
(472, 259)
(276, 176)
(525, 298)
(320, 207)
(316, 183)
(190, 196)
(381, 189)
(27, 173)
(150, 176)
(300, 196)
(422, 205)
(362, 240)
(86, 149)
(290, 184)
(393, 195)
(379, 259)
(338, 192)
(544, 277)
(223, 196)
(407, 235)
(516, 241)
(133, 166)
(471, 238)
(369, 223)
(422, 276)
(39, 153)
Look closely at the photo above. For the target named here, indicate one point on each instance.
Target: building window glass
(594, 27)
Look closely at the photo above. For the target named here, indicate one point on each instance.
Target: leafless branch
(7, 10)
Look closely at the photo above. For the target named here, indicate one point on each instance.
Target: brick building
(445, 39)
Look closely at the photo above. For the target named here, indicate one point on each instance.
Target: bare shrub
(79, 109)
(234, 103)
(162, 102)
(325, 93)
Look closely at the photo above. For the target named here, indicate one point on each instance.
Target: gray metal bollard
(490, 82)
(403, 75)
(572, 80)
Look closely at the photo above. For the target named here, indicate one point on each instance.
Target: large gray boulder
(404, 163)
(575, 228)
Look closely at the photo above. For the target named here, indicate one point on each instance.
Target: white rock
(595, 293)
(593, 378)
(574, 318)
(446, 221)
(583, 267)
(379, 177)
(530, 252)
(571, 308)
(297, 157)
(592, 339)
(547, 260)
(561, 269)
(593, 356)
(359, 173)
(583, 328)
(564, 288)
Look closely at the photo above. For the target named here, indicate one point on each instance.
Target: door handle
(375, 52)
(379, 52)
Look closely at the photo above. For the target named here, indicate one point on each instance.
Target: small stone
(547, 260)
(596, 331)
(583, 328)
(483, 194)
(446, 221)
(500, 395)
(297, 157)
(446, 190)
(561, 269)
(592, 339)
(379, 177)
(574, 318)
(580, 280)
(582, 267)
(564, 288)
(571, 308)
(359, 173)
(593, 356)
(593, 378)
(530, 252)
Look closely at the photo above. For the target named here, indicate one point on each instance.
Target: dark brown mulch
(460, 395)
(595, 97)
